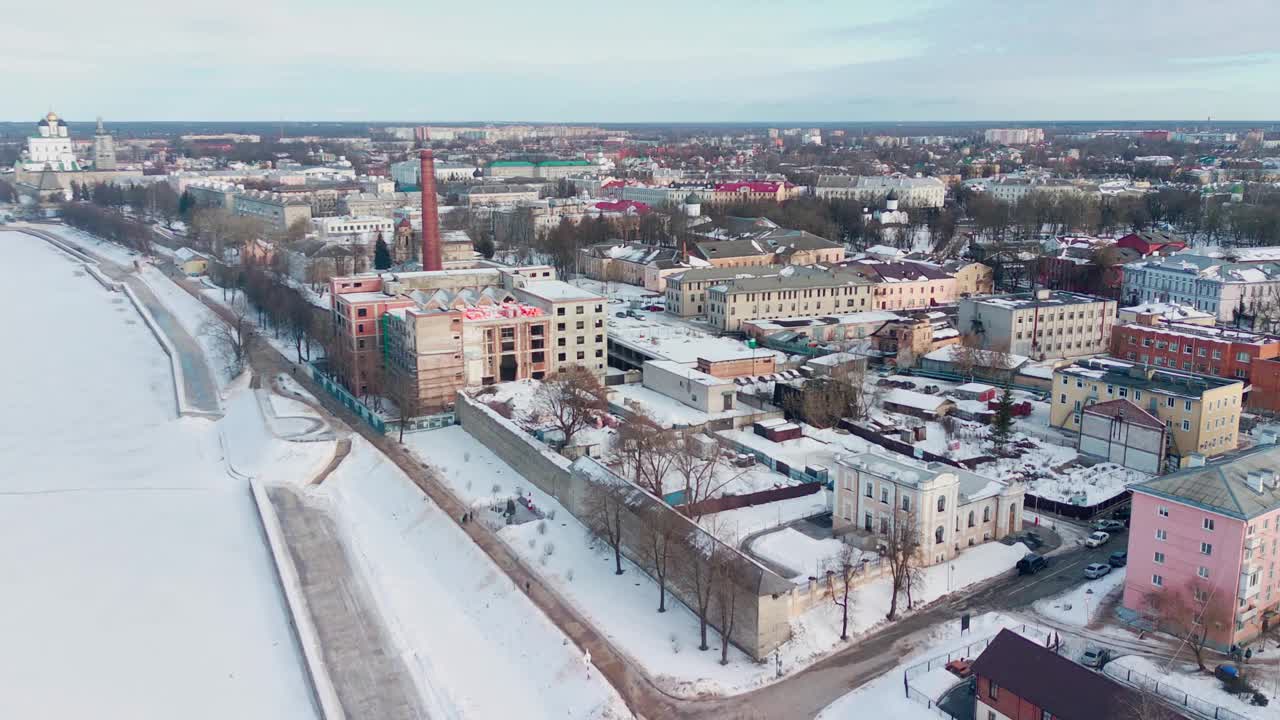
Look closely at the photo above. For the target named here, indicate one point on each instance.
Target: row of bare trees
(109, 225)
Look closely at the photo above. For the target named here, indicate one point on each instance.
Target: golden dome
(52, 116)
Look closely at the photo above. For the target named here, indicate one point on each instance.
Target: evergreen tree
(381, 255)
(186, 204)
(1002, 428)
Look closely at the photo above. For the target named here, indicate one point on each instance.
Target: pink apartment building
(1203, 548)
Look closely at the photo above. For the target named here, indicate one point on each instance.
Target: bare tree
(842, 567)
(570, 398)
(694, 574)
(604, 505)
(724, 576)
(232, 339)
(967, 355)
(646, 451)
(661, 527)
(403, 390)
(902, 551)
(702, 474)
(1190, 613)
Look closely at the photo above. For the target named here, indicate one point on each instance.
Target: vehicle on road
(1031, 539)
(1118, 559)
(1093, 571)
(620, 314)
(1095, 657)
(655, 308)
(961, 668)
(1108, 525)
(1097, 539)
(1031, 563)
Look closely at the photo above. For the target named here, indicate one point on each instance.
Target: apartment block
(1201, 412)
(1203, 548)
(1040, 325)
(803, 292)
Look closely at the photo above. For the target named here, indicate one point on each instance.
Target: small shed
(190, 262)
(909, 402)
(975, 391)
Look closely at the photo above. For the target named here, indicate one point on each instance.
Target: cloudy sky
(652, 61)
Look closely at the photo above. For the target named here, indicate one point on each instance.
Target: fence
(732, 502)
(1169, 692)
(778, 466)
(423, 422)
(1071, 510)
(895, 445)
(353, 404)
(968, 652)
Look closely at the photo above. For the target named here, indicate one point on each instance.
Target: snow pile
(1081, 605)
(806, 555)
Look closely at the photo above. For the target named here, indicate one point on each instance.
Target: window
(1242, 357)
(1208, 524)
(1124, 392)
(1186, 425)
(1063, 400)
(1201, 595)
(1206, 548)
(362, 312)
(1157, 580)
(1168, 402)
(559, 311)
(937, 535)
(1202, 571)
(986, 514)
(1162, 534)
(1186, 405)
(993, 691)
(579, 310)
(971, 518)
(1160, 558)
(942, 503)
(906, 504)
(869, 490)
(884, 495)
(1162, 511)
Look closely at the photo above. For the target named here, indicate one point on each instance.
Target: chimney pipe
(431, 259)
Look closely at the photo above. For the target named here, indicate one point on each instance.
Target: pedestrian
(462, 520)
(526, 587)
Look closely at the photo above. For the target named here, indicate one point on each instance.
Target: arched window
(970, 518)
(942, 503)
(986, 514)
(937, 535)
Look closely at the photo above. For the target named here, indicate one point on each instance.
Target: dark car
(1118, 559)
(1032, 539)
(1031, 563)
(1108, 526)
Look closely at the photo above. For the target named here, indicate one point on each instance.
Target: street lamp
(1088, 592)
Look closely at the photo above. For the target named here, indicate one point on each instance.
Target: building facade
(912, 192)
(951, 509)
(804, 292)
(1202, 413)
(1211, 285)
(1040, 325)
(1203, 548)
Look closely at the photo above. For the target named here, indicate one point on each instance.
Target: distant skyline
(661, 61)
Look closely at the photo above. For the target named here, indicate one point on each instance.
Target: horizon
(931, 61)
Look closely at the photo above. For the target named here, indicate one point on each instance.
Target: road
(801, 694)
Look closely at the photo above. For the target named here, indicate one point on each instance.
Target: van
(1031, 563)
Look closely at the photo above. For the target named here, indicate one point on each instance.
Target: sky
(652, 61)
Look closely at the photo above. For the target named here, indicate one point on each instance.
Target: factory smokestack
(431, 259)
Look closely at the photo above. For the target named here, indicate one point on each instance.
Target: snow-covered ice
(141, 583)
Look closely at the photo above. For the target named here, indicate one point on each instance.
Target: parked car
(1032, 539)
(655, 308)
(1118, 559)
(1108, 525)
(1095, 657)
(960, 668)
(620, 314)
(1097, 539)
(1031, 563)
(1093, 571)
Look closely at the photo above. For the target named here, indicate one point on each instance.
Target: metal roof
(1223, 486)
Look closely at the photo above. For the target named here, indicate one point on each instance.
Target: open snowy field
(140, 583)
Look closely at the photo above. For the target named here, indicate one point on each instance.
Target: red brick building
(1153, 242)
(1219, 351)
(1021, 680)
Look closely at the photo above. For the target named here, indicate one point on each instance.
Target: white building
(700, 391)
(50, 146)
(1014, 136)
(1207, 284)
(1013, 190)
(951, 508)
(359, 230)
(915, 192)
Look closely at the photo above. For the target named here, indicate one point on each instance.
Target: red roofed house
(1018, 679)
(625, 207)
(1152, 242)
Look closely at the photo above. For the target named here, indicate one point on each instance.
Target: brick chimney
(431, 259)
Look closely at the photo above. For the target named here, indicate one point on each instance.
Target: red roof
(623, 206)
(757, 186)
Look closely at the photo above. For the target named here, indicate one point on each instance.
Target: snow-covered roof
(911, 399)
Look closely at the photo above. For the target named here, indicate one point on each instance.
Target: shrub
(542, 527)
(549, 549)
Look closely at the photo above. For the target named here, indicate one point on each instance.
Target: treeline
(156, 199)
(280, 308)
(109, 225)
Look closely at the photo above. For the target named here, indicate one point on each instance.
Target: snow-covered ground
(624, 607)
(95, 245)
(1080, 605)
(806, 555)
(140, 574)
(741, 522)
(885, 694)
(473, 640)
(618, 292)
(1187, 678)
(193, 315)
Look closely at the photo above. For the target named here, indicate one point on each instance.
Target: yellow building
(1201, 412)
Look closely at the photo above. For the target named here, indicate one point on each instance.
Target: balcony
(1247, 591)
(1253, 542)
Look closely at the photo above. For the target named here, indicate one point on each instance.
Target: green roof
(562, 163)
(510, 163)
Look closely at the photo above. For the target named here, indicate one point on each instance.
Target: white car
(1097, 539)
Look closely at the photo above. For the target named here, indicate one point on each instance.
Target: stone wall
(764, 600)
